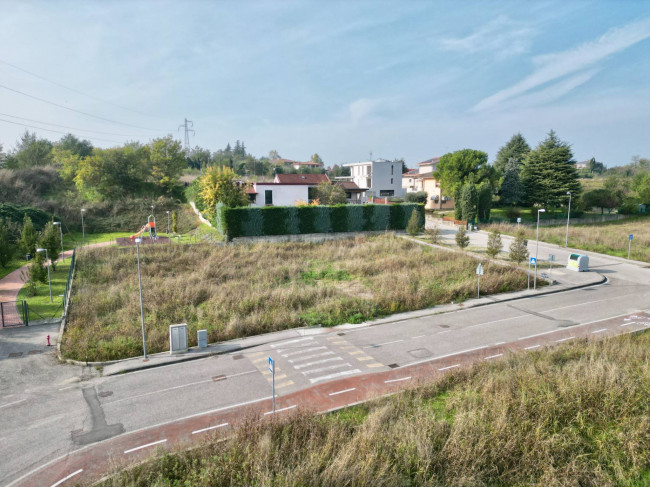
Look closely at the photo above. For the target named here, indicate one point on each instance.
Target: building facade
(380, 178)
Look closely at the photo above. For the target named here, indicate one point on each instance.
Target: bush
(417, 197)
(513, 213)
(413, 228)
(462, 239)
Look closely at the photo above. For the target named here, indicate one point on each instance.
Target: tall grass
(607, 238)
(574, 415)
(238, 291)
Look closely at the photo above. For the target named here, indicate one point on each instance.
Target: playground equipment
(150, 226)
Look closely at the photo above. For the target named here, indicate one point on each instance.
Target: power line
(72, 128)
(188, 128)
(74, 89)
(55, 131)
(78, 111)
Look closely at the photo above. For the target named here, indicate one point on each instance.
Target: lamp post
(61, 233)
(541, 210)
(49, 280)
(83, 228)
(144, 338)
(568, 215)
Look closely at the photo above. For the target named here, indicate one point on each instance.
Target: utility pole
(189, 127)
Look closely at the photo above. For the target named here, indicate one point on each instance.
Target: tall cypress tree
(512, 189)
(515, 149)
(549, 172)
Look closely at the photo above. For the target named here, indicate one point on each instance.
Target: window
(311, 193)
(348, 195)
(391, 180)
(268, 197)
(386, 192)
(392, 168)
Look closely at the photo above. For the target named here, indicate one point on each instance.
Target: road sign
(631, 236)
(519, 219)
(551, 258)
(533, 261)
(479, 270)
(270, 364)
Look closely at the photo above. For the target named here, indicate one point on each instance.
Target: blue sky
(400, 79)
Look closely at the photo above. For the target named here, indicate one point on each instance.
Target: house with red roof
(421, 179)
(286, 189)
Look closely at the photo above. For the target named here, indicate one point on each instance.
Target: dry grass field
(607, 238)
(242, 290)
(575, 415)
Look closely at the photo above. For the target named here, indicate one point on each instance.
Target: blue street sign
(533, 261)
(270, 364)
(631, 236)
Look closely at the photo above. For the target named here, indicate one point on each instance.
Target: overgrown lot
(574, 415)
(242, 290)
(607, 238)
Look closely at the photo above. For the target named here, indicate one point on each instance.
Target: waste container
(578, 263)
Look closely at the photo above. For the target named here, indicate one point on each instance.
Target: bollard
(48, 341)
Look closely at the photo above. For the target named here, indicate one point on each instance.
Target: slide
(142, 230)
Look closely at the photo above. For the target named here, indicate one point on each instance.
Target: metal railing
(68, 283)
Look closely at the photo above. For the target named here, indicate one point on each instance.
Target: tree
(549, 172)
(462, 239)
(51, 240)
(595, 167)
(515, 149)
(494, 244)
(484, 200)
(468, 202)
(330, 194)
(274, 155)
(413, 226)
(416, 197)
(28, 237)
(219, 185)
(174, 223)
(641, 185)
(70, 143)
(67, 162)
(30, 152)
(7, 245)
(602, 198)
(316, 159)
(454, 169)
(519, 248)
(36, 272)
(512, 189)
(167, 161)
(198, 158)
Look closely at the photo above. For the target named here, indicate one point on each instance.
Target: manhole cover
(393, 366)
(420, 353)
(443, 326)
(341, 334)
(237, 357)
(105, 393)
(15, 354)
(217, 378)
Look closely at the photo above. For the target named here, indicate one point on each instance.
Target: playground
(147, 235)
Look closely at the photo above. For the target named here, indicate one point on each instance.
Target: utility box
(178, 338)
(578, 263)
(202, 338)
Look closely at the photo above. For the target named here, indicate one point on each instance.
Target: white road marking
(145, 446)
(381, 344)
(343, 391)
(307, 357)
(12, 403)
(397, 380)
(304, 350)
(331, 367)
(538, 334)
(599, 331)
(494, 356)
(276, 345)
(495, 321)
(565, 339)
(628, 324)
(68, 477)
(444, 356)
(499, 343)
(280, 410)
(450, 367)
(318, 362)
(419, 336)
(210, 428)
(333, 376)
(445, 331)
(69, 387)
(531, 347)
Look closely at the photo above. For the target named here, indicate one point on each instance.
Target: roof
(251, 190)
(411, 172)
(433, 160)
(308, 163)
(349, 186)
(302, 178)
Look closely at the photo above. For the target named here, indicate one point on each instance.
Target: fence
(14, 313)
(68, 283)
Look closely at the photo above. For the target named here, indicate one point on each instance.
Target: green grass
(577, 414)
(40, 306)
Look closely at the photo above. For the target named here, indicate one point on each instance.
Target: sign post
(532, 261)
(479, 273)
(551, 259)
(272, 370)
(518, 222)
(629, 245)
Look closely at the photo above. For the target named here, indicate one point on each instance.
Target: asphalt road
(48, 410)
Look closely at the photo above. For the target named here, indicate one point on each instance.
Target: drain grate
(105, 393)
(237, 357)
(393, 366)
(15, 354)
(341, 334)
(443, 326)
(217, 378)
(34, 352)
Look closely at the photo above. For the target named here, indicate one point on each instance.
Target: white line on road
(450, 367)
(68, 477)
(494, 321)
(444, 356)
(330, 367)
(419, 336)
(538, 334)
(12, 403)
(397, 380)
(531, 347)
(343, 391)
(145, 446)
(628, 324)
(276, 345)
(280, 410)
(304, 350)
(494, 356)
(599, 331)
(318, 362)
(334, 376)
(307, 357)
(210, 428)
(565, 339)
(499, 343)
(385, 343)
(69, 387)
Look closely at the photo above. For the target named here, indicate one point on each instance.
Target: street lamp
(83, 229)
(541, 210)
(61, 233)
(49, 280)
(568, 215)
(144, 339)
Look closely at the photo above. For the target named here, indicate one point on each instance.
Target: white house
(381, 177)
(285, 189)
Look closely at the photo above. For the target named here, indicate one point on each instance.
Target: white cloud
(554, 66)
(366, 109)
(502, 36)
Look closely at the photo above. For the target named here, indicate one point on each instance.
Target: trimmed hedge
(292, 220)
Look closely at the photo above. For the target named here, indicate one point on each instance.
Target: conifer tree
(51, 240)
(28, 237)
(494, 244)
(462, 239)
(512, 189)
(413, 226)
(515, 149)
(519, 248)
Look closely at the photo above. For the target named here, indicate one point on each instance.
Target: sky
(400, 79)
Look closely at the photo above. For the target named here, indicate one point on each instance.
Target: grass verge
(572, 415)
(40, 307)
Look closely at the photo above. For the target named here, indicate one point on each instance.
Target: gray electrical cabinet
(178, 338)
(202, 338)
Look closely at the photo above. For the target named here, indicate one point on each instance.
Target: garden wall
(294, 220)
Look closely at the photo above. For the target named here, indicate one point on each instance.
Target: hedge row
(291, 220)
(16, 214)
